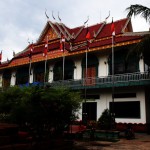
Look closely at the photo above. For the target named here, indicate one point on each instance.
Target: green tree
(144, 46)
(40, 108)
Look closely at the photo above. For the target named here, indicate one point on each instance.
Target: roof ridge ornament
(76, 35)
(46, 15)
(59, 17)
(107, 17)
(53, 16)
(86, 20)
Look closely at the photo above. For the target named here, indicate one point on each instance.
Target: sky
(22, 21)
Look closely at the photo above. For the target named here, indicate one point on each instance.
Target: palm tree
(137, 10)
(144, 46)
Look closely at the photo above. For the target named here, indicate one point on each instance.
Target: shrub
(105, 121)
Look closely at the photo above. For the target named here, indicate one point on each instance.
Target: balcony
(119, 80)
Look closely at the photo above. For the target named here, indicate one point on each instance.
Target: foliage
(105, 120)
(137, 10)
(39, 107)
(144, 46)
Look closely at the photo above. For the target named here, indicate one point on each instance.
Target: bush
(105, 121)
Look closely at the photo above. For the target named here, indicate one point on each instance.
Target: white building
(85, 63)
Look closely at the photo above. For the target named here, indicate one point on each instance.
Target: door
(89, 111)
(90, 78)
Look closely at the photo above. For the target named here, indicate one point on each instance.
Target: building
(81, 58)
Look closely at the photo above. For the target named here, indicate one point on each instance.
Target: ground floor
(131, 104)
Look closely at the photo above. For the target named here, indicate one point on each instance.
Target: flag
(62, 43)
(31, 51)
(45, 48)
(88, 35)
(112, 28)
(0, 57)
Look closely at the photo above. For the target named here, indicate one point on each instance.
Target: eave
(58, 54)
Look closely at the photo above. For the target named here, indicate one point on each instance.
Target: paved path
(141, 142)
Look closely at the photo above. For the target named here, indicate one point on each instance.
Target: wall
(140, 96)
(106, 97)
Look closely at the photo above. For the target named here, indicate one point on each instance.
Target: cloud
(23, 19)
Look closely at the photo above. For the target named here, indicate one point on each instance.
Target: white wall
(140, 96)
(103, 66)
(106, 97)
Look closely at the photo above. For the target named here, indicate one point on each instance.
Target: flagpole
(30, 59)
(45, 55)
(113, 114)
(85, 90)
(45, 71)
(63, 65)
(63, 48)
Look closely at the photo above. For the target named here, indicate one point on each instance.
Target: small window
(90, 96)
(124, 95)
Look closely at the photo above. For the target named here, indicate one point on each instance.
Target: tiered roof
(75, 41)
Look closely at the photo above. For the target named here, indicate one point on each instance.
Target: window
(22, 76)
(68, 70)
(123, 63)
(130, 109)
(124, 95)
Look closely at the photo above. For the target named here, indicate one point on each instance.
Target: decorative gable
(50, 34)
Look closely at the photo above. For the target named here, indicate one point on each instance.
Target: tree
(137, 10)
(40, 108)
(144, 46)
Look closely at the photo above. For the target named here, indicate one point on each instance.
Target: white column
(1, 80)
(103, 66)
(141, 64)
(78, 70)
(31, 76)
(13, 78)
(51, 73)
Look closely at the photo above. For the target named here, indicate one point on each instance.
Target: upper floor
(93, 70)
(80, 61)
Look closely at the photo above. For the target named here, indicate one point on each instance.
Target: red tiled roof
(103, 38)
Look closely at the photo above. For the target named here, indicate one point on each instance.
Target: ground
(141, 142)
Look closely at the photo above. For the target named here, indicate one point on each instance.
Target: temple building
(89, 59)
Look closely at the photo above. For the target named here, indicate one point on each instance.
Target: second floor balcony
(119, 80)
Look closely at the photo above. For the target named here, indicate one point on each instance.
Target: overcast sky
(21, 20)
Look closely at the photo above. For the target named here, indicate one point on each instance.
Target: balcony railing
(104, 81)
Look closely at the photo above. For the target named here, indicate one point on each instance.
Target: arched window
(68, 70)
(6, 78)
(22, 76)
(39, 72)
(91, 71)
(124, 63)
